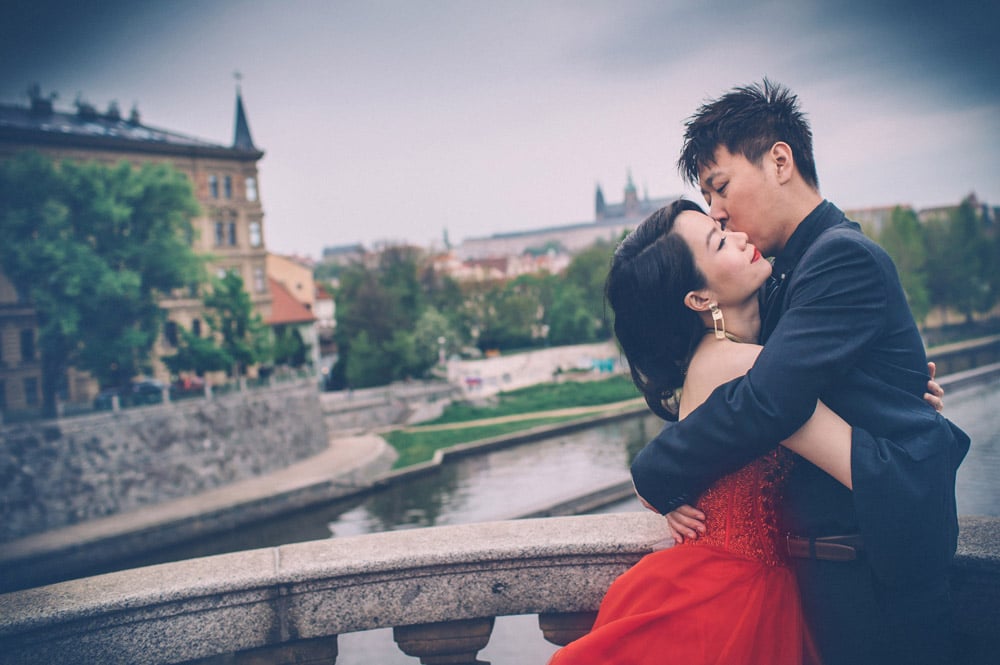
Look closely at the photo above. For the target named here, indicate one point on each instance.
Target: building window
(221, 273)
(259, 283)
(256, 240)
(31, 391)
(213, 185)
(220, 233)
(170, 332)
(27, 344)
(232, 234)
(196, 327)
(251, 185)
(227, 186)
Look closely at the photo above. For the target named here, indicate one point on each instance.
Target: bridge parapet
(439, 588)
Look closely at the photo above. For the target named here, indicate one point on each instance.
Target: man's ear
(699, 301)
(784, 161)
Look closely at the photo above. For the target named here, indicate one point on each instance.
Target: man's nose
(716, 211)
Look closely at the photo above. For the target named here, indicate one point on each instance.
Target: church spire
(600, 208)
(241, 137)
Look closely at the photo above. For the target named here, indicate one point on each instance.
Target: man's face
(741, 197)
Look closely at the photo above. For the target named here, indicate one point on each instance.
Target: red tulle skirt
(696, 605)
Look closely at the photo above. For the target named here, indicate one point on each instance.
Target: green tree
(197, 354)
(289, 347)
(511, 316)
(958, 259)
(903, 238)
(570, 320)
(94, 248)
(239, 330)
(430, 329)
(587, 272)
(386, 330)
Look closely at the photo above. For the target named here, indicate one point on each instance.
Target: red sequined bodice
(741, 509)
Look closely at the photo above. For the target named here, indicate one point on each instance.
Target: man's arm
(836, 308)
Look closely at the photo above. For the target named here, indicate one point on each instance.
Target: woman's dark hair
(651, 272)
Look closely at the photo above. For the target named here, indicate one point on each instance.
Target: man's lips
(756, 255)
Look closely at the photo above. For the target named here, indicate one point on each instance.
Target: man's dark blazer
(836, 327)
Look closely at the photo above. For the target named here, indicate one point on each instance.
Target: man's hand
(935, 393)
(686, 522)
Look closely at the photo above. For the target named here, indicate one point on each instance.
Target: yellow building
(230, 228)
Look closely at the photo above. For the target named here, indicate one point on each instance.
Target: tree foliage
(946, 262)
(904, 239)
(93, 248)
(238, 329)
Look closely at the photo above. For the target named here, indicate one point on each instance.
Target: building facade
(225, 183)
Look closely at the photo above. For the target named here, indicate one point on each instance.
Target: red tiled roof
(322, 293)
(284, 307)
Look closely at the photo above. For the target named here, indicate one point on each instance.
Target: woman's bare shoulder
(714, 364)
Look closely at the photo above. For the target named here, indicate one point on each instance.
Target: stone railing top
(335, 586)
(234, 602)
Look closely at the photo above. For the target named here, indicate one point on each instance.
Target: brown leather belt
(826, 548)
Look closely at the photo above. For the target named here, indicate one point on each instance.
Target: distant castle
(610, 221)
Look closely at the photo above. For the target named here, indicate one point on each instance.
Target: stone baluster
(561, 628)
(445, 643)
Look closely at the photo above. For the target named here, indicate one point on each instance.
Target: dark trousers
(855, 620)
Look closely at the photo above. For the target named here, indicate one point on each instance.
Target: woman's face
(733, 268)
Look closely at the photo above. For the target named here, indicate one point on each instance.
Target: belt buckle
(842, 548)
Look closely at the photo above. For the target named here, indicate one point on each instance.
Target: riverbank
(351, 467)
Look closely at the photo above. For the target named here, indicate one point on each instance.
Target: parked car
(187, 386)
(143, 391)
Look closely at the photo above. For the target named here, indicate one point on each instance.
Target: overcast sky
(396, 120)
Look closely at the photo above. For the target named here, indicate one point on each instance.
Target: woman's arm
(824, 440)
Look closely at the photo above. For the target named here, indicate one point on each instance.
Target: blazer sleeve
(836, 303)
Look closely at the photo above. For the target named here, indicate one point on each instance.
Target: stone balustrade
(439, 588)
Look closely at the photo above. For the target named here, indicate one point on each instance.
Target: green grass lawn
(545, 397)
(415, 446)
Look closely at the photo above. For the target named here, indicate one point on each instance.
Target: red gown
(725, 598)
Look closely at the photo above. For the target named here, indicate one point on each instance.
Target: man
(872, 564)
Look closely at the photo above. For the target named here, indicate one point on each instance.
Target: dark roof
(92, 129)
(241, 137)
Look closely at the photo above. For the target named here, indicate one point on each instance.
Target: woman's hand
(935, 393)
(686, 522)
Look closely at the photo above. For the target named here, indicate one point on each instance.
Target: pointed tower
(631, 197)
(600, 208)
(241, 137)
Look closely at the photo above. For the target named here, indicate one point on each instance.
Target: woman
(685, 297)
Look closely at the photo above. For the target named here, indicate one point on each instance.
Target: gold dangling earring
(718, 321)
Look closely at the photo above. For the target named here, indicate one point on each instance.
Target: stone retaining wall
(60, 472)
(351, 411)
